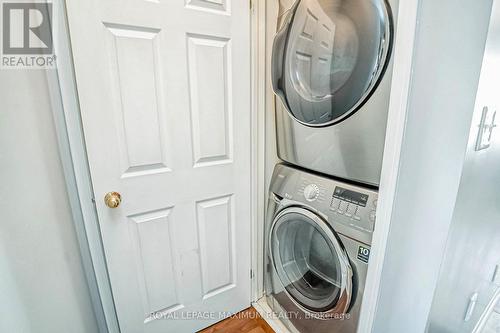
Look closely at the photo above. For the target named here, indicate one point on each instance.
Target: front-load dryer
(318, 237)
(331, 70)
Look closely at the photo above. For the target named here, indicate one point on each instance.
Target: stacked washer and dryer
(331, 72)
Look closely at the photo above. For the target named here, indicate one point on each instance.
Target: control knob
(311, 192)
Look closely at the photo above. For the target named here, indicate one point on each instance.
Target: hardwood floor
(246, 321)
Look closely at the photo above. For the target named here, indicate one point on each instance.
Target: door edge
(72, 152)
(258, 87)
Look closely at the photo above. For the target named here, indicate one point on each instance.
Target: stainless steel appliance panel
(318, 237)
(331, 71)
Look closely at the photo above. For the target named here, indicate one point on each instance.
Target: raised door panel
(210, 99)
(138, 99)
(216, 241)
(216, 6)
(152, 236)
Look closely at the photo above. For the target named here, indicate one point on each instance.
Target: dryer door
(329, 56)
(310, 263)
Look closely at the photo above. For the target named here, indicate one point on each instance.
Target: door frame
(72, 150)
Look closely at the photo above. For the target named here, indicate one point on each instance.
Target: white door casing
(164, 90)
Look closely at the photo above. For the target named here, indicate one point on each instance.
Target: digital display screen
(356, 198)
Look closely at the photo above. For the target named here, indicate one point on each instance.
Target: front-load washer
(318, 237)
(331, 70)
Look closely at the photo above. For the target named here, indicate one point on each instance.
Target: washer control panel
(356, 208)
(353, 206)
(351, 209)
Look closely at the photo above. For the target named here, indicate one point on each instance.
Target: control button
(348, 210)
(357, 218)
(311, 192)
(335, 204)
(373, 215)
(351, 210)
(342, 207)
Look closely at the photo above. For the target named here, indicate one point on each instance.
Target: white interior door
(164, 88)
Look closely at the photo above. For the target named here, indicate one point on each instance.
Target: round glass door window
(329, 56)
(310, 263)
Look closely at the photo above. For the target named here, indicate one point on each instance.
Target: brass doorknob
(112, 199)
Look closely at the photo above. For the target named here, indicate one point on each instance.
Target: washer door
(329, 56)
(310, 263)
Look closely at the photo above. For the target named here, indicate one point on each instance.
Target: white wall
(42, 284)
(450, 38)
(473, 248)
